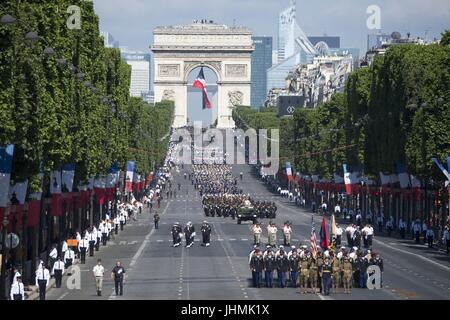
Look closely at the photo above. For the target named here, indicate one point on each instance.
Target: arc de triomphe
(226, 50)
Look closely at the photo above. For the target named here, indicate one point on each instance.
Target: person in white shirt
(58, 271)
(69, 257)
(272, 234)
(324, 208)
(64, 248)
(104, 228)
(42, 279)
(53, 255)
(337, 210)
(416, 231)
(98, 272)
(256, 230)
(122, 220)
(359, 218)
(83, 245)
(349, 232)
(110, 228)
(287, 231)
(350, 214)
(17, 290)
(339, 232)
(92, 239)
(116, 224)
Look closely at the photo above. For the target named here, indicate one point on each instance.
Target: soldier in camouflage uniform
(313, 272)
(336, 274)
(304, 273)
(347, 268)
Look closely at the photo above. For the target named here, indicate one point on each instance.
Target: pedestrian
(430, 236)
(402, 228)
(156, 219)
(446, 239)
(58, 271)
(122, 219)
(18, 290)
(98, 272)
(118, 274)
(416, 230)
(339, 232)
(389, 227)
(424, 231)
(42, 280)
(53, 256)
(83, 245)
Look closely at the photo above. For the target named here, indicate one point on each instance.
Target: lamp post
(3, 293)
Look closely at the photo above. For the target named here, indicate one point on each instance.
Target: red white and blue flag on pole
(200, 83)
(289, 171)
(313, 239)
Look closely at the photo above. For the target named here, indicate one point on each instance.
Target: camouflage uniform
(336, 275)
(313, 271)
(303, 268)
(347, 268)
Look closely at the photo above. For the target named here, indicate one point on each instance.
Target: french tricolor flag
(289, 171)
(129, 177)
(200, 83)
(349, 179)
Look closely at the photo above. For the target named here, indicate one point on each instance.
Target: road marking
(414, 254)
(232, 239)
(244, 239)
(159, 240)
(63, 296)
(145, 242)
(321, 296)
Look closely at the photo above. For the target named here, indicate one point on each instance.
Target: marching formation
(320, 271)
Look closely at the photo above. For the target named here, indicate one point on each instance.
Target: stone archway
(227, 51)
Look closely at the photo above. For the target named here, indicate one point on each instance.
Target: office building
(261, 62)
(109, 41)
(140, 72)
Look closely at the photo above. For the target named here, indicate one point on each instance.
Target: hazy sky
(131, 22)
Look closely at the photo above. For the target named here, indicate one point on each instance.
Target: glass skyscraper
(261, 62)
(293, 48)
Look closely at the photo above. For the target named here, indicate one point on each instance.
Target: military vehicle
(246, 213)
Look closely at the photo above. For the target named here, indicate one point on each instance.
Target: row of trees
(71, 105)
(395, 111)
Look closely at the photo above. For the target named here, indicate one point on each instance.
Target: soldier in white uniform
(58, 271)
(287, 231)
(98, 235)
(272, 234)
(339, 232)
(98, 272)
(42, 280)
(92, 239)
(53, 256)
(17, 290)
(256, 230)
(83, 245)
(69, 257)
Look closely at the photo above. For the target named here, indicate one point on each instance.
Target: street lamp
(5, 222)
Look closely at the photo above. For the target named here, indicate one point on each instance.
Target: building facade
(140, 72)
(261, 62)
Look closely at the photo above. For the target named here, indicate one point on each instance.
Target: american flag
(313, 239)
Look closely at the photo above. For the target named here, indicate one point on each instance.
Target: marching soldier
(378, 261)
(58, 271)
(287, 231)
(257, 266)
(176, 234)
(326, 276)
(99, 238)
(293, 267)
(339, 232)
(69, 256)
(304, 273)
(402, 227)
(313, 272)
(206, 233)
(269, 266)
(18, 290)
(430, 236)
(98, 272)
(364, 264)
(272, 234)
(347, 268)
(356, 267)
(336, 268)
(189, 233)
(283, 267)
(82, 248)
(92, 238)
(319, 269)
(116, 221)
(256, 229)
(43, 278)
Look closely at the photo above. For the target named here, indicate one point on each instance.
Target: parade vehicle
(247, 212)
